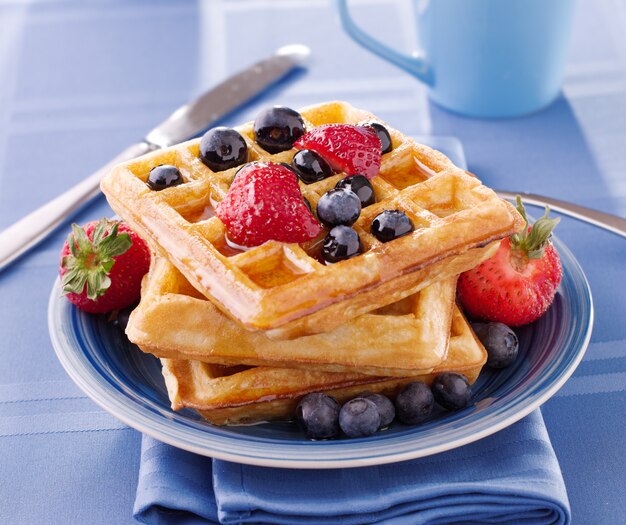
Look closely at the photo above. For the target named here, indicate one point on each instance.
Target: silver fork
(607, 221)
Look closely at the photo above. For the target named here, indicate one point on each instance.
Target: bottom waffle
(241, 395)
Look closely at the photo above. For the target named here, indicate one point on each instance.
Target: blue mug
(484, 58)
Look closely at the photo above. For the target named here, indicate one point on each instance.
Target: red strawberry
(101, 268)
(265, 203)
(518, 284)
(355, 150)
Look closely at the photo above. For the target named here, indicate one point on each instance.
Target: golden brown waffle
(232, 395)
(174, 320)
(284, 289)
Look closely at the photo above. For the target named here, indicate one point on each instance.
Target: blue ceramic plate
(128, 384)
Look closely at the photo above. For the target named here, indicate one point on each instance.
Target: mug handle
(417, 66)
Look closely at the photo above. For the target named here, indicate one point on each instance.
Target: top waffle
(284, 288)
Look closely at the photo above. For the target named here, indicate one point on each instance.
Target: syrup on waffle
(239, 394)
(284, 289)
(173, 320)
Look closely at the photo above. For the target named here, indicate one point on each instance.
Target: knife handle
(29, 231)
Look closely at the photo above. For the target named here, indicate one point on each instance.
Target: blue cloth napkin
(510, 477)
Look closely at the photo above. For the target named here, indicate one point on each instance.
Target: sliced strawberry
(102, 265)
(354, 150)
(518, 284)
(265, 203)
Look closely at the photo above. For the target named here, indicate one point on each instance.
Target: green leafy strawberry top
(530, 242)
(90, 260)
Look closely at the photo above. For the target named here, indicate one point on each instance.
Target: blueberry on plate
(123, 316)
(391, 224)
(310, 166)
(361, 186)
(318, 414)
(452, 390)
(164, 176)
(359, 417)
(338, 207)
(223, 148)
(414, 403)
(385, 408)
(341, 243)
(277, 128)
(383, 135)
(500, 342)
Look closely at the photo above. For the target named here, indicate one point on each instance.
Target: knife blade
(184, 123)
(193, 118)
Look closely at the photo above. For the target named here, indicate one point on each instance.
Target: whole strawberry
(265, 203)
(102, 265)
(517, 285)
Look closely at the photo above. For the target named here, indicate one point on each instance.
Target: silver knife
(185, 123)
(609, 222)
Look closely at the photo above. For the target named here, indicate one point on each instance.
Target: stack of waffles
(243, 335)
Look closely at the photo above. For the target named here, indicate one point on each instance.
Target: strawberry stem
(91, 260)
(531, 242)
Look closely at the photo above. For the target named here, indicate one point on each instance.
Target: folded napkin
(510, 477)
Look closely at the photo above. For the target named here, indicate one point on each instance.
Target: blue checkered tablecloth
(80, 80)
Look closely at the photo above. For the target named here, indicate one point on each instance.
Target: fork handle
(29, 231)
(609, 222)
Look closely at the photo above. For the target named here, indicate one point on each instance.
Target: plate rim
(134, 414)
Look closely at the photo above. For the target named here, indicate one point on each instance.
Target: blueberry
(361, 186)
(164, 176)
(277, 128)
(500, 342)
(452, 390)
(290, 168)
(308, 204)
(241, 168)
(310, 167)
(223, 148)
(390, 225)
(414, 403)
(342, 242)
(383, 135)
(318, 414)
(385, 408)
(338, 206)
(123, 315)
(359, 418)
